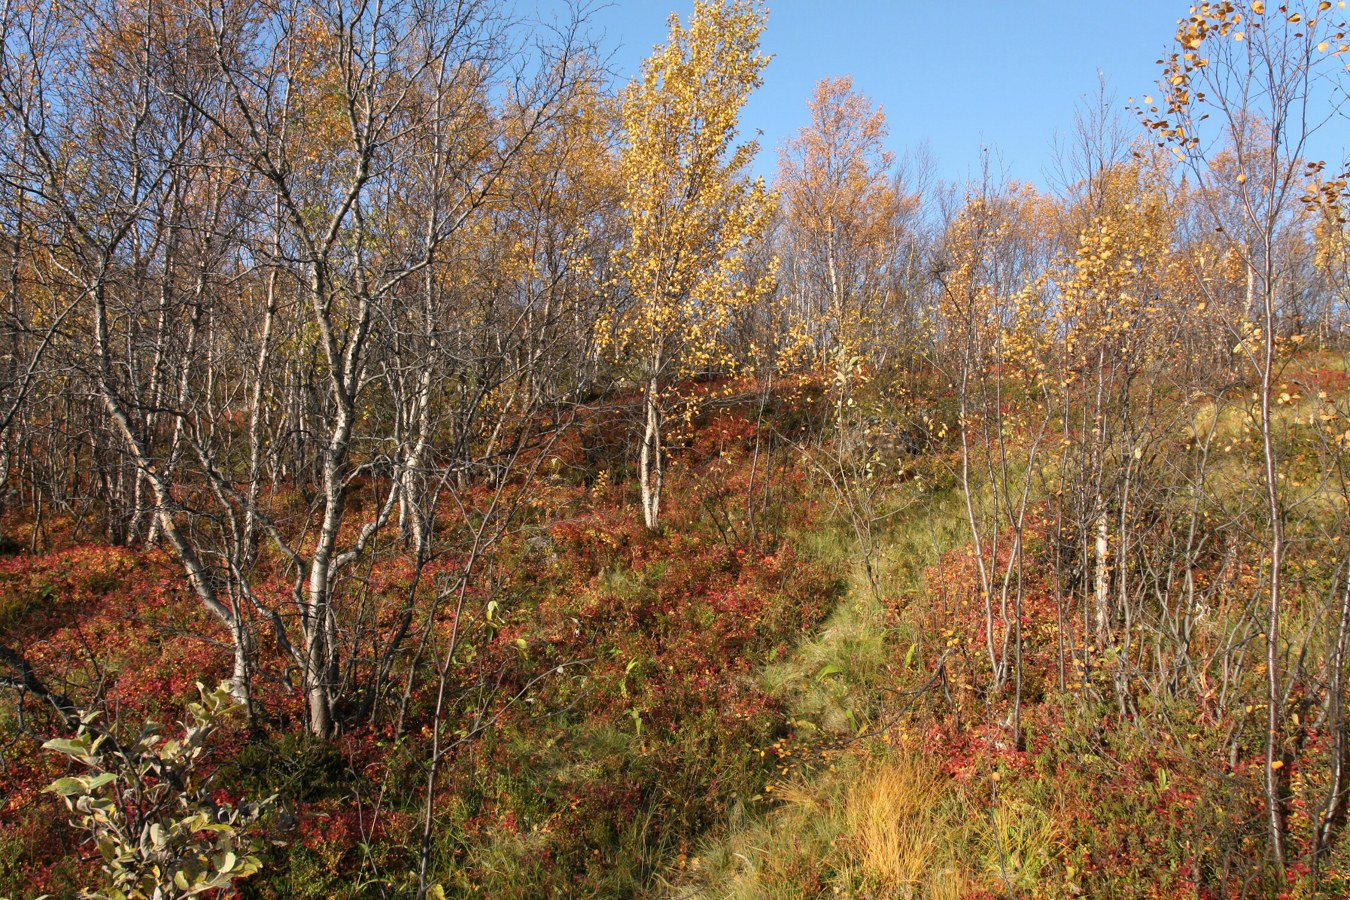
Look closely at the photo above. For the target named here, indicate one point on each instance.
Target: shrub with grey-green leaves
(148, 809)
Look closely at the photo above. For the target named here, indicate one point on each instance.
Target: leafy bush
(148, 808)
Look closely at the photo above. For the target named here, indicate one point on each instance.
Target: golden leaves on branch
(691, 212)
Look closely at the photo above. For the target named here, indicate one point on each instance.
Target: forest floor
(737, 709)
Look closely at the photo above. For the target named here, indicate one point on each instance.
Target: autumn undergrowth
(605, 773)
(904, 776)
(848, 809)
(750, 715)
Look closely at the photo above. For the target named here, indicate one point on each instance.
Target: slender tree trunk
(1101, 596)
(197, 574)
(650, 464)
(1274, 778)
(1334, 810)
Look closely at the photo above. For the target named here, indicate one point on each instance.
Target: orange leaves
(1110, 288)
(993, 307)
(835, 172)
(842, 201)
(1293, 36)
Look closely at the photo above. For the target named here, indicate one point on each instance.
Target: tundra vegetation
(429, 468)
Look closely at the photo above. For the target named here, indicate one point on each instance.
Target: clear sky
(959, 76)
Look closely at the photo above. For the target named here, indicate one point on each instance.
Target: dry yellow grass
(901, 832)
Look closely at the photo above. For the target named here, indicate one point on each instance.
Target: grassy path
(836, 683)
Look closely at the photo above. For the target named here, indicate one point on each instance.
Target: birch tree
(692, 212)
(1262, 76)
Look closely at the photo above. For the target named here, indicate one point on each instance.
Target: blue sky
(958, 76)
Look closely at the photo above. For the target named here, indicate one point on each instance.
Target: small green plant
(148, 809)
